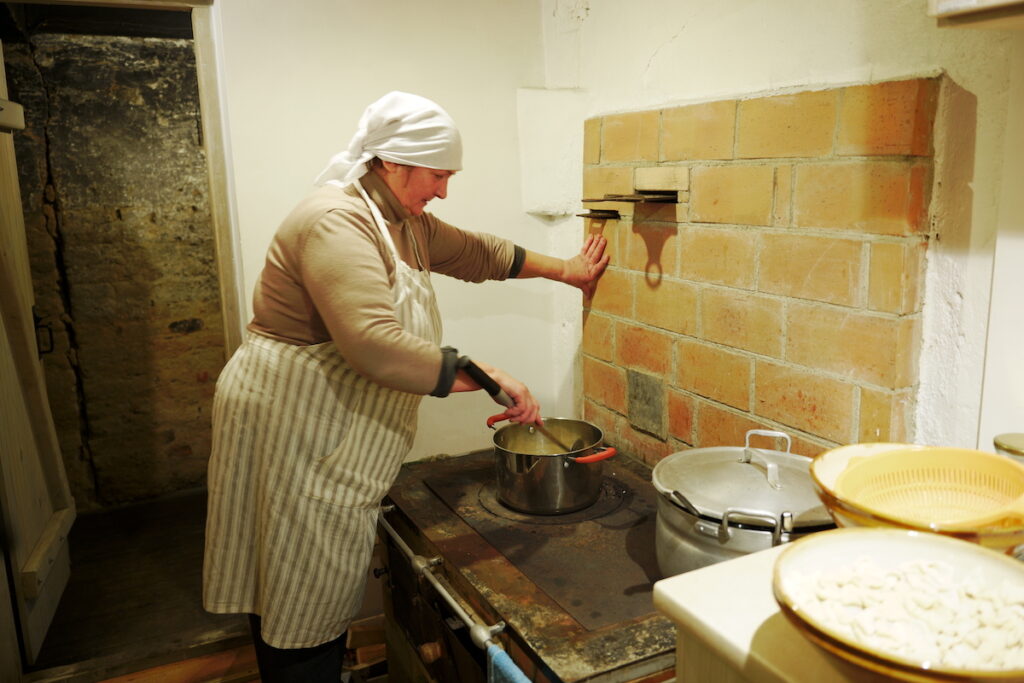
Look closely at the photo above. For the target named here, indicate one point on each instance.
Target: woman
(316, 411)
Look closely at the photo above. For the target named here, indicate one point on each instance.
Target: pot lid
(736, 479)
(1013, 444)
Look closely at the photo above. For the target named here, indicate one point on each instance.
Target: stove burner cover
(614, 494)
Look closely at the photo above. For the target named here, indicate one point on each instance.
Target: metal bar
(481, 634)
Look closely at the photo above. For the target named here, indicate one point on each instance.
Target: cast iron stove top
(575, 588)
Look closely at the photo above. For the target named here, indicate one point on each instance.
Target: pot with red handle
(538, 476)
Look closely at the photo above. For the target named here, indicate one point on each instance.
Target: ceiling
(19, 21)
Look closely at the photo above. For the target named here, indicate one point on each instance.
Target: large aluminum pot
(536, 476)
(719, 503)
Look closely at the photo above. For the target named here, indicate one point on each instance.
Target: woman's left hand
(584, 269)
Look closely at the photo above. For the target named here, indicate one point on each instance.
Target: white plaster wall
(1002, 408)
(653, 53)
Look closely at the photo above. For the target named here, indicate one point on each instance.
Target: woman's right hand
(525, 408)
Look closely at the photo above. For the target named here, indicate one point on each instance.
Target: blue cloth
(501, 668)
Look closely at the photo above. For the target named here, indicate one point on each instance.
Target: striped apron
(304, 450)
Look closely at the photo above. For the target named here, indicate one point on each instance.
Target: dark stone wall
(114, 188)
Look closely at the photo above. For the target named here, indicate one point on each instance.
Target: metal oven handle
(481, 634)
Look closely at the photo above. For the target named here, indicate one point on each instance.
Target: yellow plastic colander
(952, 488)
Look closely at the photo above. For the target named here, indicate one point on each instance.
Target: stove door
(427, 642)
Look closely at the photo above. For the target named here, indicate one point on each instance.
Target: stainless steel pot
(536, 476)
(718, 503)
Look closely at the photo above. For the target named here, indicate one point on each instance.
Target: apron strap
(382, 225)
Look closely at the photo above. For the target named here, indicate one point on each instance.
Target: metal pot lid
(721, 479)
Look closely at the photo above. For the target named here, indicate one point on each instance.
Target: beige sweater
(328, 277)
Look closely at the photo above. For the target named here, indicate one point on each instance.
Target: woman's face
(414, 186)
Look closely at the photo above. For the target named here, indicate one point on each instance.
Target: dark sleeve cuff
(446, 378)
(518, 258)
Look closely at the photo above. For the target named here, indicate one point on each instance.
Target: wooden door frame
(206, 39)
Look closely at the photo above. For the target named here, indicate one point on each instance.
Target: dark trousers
(318, 664)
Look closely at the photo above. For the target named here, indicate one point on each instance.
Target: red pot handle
(496, 418)
(596, 457)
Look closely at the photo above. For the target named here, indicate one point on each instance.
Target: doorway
(128, 290)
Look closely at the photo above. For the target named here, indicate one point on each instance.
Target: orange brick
(663, 178)
(654, 212)
(894, 280)
(902, 415)
(598, 336)
(681, 410)
(667, 304)
(876, 409)
(630, 137)
(731, 194)
(698, 131)
(683, 212)
(641, 446)
(862, 347)
(720, 255)
(817, 268)
(870, 196)
(720, 427)
(799, 125)
(888, 118)
(592, 141)
(599, 181)
(920, 191)
(611, 230)
(782, 213)
(808, 447)
(614, 293)
(818, 405)
(602, 418)
(651, 248)
(605, 384)
(643, 348)
(742, 320)
(714, 373)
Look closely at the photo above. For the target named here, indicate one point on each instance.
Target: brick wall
(781, 290)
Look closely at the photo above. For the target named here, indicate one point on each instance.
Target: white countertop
(729, 628)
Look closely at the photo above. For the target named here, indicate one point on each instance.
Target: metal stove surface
(574, 590)
(598, 563)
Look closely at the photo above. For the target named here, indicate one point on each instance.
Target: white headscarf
(399, 127)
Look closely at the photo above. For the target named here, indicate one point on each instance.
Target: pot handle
(771, 468)
(496, 418)
(593, 457)
(769, 433)
(783, 522)
(685, 503)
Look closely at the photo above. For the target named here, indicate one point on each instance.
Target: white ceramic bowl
(828, 553)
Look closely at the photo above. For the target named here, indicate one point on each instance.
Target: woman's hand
(525, 408)
(584, 269)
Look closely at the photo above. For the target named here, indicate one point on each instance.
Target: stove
(573, 591)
